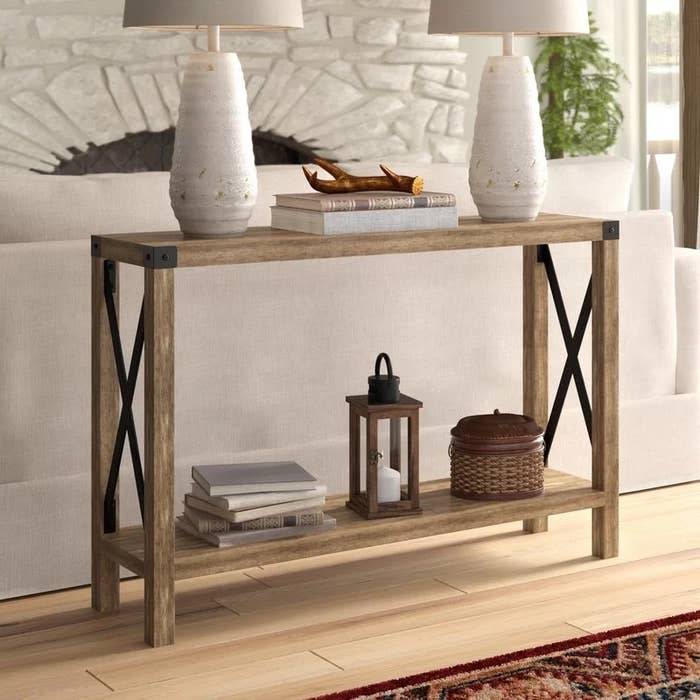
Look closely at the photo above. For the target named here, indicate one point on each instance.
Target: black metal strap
(573, 343)
(127, 386)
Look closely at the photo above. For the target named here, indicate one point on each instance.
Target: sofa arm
(688, 310)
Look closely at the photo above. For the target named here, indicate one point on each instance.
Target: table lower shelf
(442, 513)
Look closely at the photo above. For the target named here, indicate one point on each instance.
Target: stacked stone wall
(363, 80)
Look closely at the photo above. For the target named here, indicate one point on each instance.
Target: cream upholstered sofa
(267, 353)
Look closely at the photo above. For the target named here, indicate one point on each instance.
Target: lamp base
(213, 182)
(508, 171)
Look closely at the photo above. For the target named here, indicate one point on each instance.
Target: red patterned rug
(658, 660)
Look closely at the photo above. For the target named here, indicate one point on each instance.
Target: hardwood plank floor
(293, 630)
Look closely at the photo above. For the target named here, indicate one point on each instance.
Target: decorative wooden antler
(345, 183)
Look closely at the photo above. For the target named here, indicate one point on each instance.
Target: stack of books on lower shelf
(364, 212)
(243, 503)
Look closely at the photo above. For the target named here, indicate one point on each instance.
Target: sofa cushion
(53, 208)
(646, 462)
(581, 186)
(44, 535)
(648, 323)
(65, 208)
(320, 325)
(648, 335)
(688, 304)
(264, 334)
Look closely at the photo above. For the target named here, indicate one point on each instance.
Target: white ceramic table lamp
(508, 170)
(213, 184)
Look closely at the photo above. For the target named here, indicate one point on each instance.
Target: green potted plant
(579, 86)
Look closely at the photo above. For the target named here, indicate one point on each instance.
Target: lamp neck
(509, 44)
(214, 36)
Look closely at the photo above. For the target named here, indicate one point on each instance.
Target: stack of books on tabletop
(242, 503)
(364, 212)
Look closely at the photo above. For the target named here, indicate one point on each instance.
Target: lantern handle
(378, 363)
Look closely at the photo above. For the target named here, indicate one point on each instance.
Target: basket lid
(497, 427)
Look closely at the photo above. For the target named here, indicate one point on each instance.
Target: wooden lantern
(366, 503)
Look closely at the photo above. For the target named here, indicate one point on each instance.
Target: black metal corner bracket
(127, 387)
(611, 231)
(573, 342)
(160, 258)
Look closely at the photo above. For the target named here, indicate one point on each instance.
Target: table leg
(355, 458)
(535, 352)
(606, 396)
(105, 419)
(413, 459)
(159, 526)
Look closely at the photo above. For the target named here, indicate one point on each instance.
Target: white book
(230, 539)
(242, 516)
(256, 500)
(257, 477)
(212, 524)
(382, 221)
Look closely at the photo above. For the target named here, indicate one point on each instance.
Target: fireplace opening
(153, 151)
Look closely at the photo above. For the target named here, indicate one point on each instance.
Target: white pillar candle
(388, 485)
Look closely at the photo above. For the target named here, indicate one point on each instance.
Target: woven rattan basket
(497, 457)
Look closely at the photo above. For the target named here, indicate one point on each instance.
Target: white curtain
(623, 27)
(663, 108)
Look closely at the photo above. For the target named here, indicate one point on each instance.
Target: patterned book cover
(308, 519)
(210, 524)
(365, 201)
(235, 538)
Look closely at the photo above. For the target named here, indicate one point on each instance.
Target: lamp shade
(544, 17)
(229, 14)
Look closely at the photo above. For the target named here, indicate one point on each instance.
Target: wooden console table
(160, 555)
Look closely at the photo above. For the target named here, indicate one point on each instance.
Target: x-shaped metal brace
(127, 387)
(573, 342)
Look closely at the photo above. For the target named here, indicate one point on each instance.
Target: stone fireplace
(363, 80)
(150, 151)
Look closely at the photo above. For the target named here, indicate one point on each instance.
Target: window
(663, 103)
